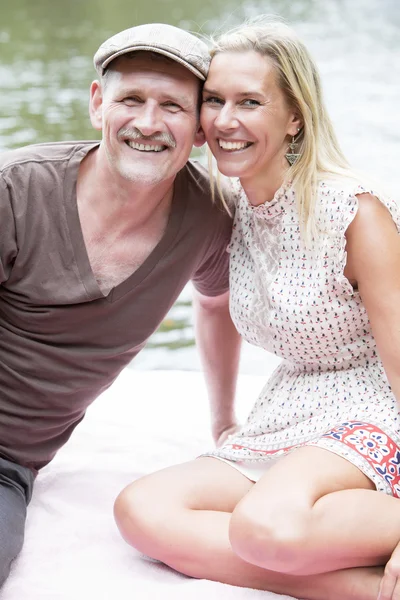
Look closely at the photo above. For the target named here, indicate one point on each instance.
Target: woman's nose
(226, 118)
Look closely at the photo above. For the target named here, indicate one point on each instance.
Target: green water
(46, 49)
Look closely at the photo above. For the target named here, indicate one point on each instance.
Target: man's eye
(212, 100)
(133, 100)
(172, 106)
(251, 103)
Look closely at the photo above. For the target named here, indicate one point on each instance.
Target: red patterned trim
(375, 446)
(369, 441)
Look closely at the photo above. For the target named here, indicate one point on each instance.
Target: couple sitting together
(98, 240)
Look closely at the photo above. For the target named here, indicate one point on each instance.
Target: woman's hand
(390, 584)
(226, 434)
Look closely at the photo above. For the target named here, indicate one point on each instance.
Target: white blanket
(72, 551)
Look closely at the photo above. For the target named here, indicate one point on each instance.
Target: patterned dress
(330, 389)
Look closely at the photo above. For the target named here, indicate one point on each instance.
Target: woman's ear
(295, 125)
(96, 105)
(199, 138)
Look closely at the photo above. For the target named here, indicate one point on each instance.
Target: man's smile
(146, 147)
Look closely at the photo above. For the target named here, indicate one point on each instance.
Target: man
(98, 240)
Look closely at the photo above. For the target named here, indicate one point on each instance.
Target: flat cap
(177, 44)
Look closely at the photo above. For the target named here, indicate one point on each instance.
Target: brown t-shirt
(62, 342)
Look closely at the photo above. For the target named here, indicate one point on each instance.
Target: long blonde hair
(298, 78)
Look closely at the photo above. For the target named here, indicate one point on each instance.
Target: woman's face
(245, 117)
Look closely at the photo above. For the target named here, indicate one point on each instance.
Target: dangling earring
(292, 156)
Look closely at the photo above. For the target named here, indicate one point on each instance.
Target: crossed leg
(297, 531)
(314, 512)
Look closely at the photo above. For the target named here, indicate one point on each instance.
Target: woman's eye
(212, 100)
(250, 103)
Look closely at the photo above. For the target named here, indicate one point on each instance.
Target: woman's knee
(154, 504)
(139, 513)
(271, 542)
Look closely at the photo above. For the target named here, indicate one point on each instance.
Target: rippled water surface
(46, 50)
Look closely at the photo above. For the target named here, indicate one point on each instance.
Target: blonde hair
(298, 78)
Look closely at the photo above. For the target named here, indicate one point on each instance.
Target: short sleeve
(211, 278)
(348, 210)
(8, 243)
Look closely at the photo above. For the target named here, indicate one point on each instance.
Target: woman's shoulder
(338, 188)
(338, 199)
(348, 186)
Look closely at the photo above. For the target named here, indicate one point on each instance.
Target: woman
(303, 500)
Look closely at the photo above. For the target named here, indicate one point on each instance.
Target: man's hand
(226, 434)
(390, 584)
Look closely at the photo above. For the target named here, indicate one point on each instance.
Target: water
(46, 50)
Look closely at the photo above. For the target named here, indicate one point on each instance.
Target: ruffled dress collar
(270, 209)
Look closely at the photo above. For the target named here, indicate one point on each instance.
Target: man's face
(148, 113)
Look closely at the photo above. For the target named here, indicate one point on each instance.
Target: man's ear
(199, 138)
(96, 105)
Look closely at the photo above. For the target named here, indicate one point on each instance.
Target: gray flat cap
(177, 44)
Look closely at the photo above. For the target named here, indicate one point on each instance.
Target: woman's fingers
(390, 584)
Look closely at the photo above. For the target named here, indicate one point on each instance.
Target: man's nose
(148, 119)
(226, 118)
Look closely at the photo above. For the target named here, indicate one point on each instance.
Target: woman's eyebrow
(209, 91)
(239, 94)
(250, 93)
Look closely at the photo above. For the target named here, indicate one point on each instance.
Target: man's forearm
(219, 348)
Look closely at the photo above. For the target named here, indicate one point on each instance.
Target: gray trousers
(16, 485)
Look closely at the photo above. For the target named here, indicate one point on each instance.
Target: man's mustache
(135, 134)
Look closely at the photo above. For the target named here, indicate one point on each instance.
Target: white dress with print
(330, 389)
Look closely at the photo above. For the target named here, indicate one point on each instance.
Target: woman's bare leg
(315, 512)
(181, 516)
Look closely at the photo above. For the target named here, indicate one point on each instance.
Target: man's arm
(219, 346)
